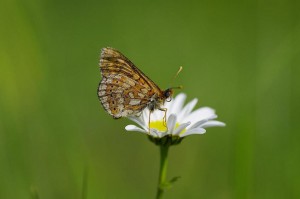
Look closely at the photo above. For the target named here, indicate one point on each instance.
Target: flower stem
(162, 170)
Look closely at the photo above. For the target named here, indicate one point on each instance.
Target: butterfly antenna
(179, 70)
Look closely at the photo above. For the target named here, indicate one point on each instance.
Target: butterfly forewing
(124, 90)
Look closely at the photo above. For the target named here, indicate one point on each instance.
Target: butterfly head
(168, 94)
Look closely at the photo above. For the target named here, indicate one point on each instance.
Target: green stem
(162, 170)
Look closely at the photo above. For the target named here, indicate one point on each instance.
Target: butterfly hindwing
(124, 90)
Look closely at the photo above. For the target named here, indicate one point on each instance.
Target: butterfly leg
(149, 122)
(165, 117)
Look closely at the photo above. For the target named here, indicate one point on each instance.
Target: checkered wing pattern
(124, 90)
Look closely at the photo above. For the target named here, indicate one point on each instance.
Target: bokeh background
(239, 57)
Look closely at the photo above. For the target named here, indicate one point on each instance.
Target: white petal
(135, 128)
(177, 104)
(160, 134)
(154, 132)
(171, 123)
(200, 114)
(198, 124)
(187, 109)
(168, 105)
(212, 123)
(193, 131)
(180, 128)
(138, 120)
(145, 117)
(155, 115)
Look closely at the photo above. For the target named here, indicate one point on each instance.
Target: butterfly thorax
(156, 101)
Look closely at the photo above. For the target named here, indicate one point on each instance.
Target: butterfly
(125, 90)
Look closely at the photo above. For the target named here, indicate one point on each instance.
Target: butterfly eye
(168, 94)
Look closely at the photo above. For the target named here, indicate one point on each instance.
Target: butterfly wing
(124, 90)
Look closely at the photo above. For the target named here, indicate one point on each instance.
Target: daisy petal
(145, 116)
(212, 123)
(160, 134)
(198, 124)
(187, 109)
(200, 114)
(138, 120)
(156, 115)
(154, 132)
(171, 123)
(134, 128)
(180, 128)
(193, 131)
(177, 104)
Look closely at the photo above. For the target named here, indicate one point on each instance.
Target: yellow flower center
(161, 126)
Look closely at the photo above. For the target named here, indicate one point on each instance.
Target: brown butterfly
(125, 90)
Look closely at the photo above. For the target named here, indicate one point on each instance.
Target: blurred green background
(239, 57)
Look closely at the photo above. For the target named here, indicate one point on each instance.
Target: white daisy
(181, 121)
